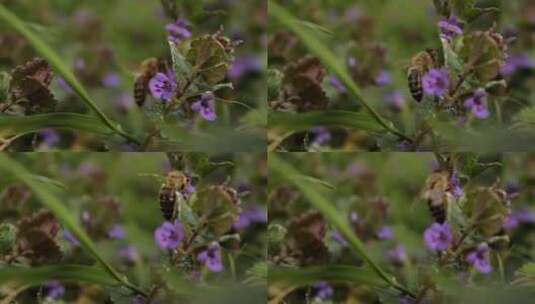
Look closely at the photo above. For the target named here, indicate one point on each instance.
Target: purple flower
(438, 236)
(53, 289)
(169, 235)
(323, 290)
(211, 257)
(480, 258)
(478, 104)
(116, 232)
(321, 135)
(395, 100)
(450, 27)
(385, 233)
(337, 237)
(436, 82)
(383, 78)
(129, 253)
(515, 218)
(189, 189)
(178, 31)
(205, 106)
(111, 80)
(244, 66)
(49, 138)
(162, 86)
(517, 62)
(249, 216)
(456, 185)
(337, 84)
(69, 237)
(398, 254)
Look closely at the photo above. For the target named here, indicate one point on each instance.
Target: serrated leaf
(218, 207)
(180, 65)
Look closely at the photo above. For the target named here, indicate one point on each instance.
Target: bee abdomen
(168, 203)
(141, 87)
(438, 212)
(415, 85)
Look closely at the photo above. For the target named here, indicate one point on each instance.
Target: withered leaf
(29, 84)
(219, 206)
(305, 237)
(40, 247)
(488, 209)
(43, 220)
(14, 196)
(209, 56)
(281, 43)
(302, 84)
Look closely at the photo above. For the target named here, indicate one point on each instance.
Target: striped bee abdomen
(141, 89)
(168, 202)
(438, 211)
(415, 84)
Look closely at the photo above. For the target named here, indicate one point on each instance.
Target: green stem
(331, 213)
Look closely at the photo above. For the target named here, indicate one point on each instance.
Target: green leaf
(55, 61)
(63, 214)
(23, 276)
(329, 59)
(525, 275)
(330, 273)
(257, 274)
(330, 212)
(180, 65)
(306, 121)
(13, 125)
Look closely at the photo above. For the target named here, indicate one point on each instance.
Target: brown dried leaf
(40, 247)
(302, 84)
(305, 238)
(43, 220)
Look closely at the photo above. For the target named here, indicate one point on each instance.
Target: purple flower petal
(169, 235)
(438, 236)
(211, 257)
(205, 106)
(436, 82)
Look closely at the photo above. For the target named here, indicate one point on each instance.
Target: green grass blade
(12, 125)
(329, 59)
(63, 214)
(331, 273)
(330, 212)
(306, 121)
(35, 276)
(55, 60)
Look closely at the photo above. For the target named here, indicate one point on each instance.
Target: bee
(149, 68)
(437, 193)
(171, 197)
(421, 63)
